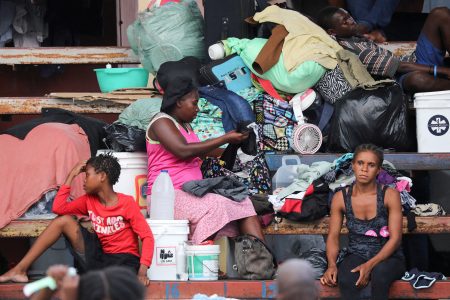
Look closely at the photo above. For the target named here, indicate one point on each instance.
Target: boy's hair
(372, 148)
(106, 163)
(325, 17)
(113, 283)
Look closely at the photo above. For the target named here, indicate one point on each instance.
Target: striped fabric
(379, 61)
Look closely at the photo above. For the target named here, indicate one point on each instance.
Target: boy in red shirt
(116, 223)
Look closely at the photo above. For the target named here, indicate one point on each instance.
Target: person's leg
(346, 279)
(436, 28)
(66, 225)
(384, 274)
(252, 226)
(417, 81)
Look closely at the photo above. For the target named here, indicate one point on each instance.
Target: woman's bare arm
(165, 131)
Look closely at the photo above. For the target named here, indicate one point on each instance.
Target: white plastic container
(133, 175)
(203, 262)
(162, 202)
(287, 172)
(432, 121)
(169, 235)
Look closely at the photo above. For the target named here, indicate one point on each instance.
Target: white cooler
(432, 121)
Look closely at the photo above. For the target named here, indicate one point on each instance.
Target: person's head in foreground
(296, 281)
(101, 170)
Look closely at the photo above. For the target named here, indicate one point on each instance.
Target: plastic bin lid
(431, 94)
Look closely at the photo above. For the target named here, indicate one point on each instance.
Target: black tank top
(367, 237)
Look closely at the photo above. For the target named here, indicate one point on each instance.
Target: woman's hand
(330, 276)
(69, 288)
(234, 137)
(364, 274)
(142, 275)
(57, 272)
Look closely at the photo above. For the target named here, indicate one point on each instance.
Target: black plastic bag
(124, 138)
(375, 116)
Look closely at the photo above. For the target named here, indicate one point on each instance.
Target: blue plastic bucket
(110, 79)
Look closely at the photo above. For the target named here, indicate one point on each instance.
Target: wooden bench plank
(425, 225)
(249, 289)
(402, 161)
(67, 55)
(34, 105)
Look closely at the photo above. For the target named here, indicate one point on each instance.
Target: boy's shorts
(94, 258)
(426, 54)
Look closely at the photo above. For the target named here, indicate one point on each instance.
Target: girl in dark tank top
(373, 216)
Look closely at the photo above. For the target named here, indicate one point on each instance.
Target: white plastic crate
(432, 121)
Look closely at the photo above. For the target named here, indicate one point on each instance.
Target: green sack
(302, 78)
(167, 33)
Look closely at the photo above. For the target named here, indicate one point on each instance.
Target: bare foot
(14, 275)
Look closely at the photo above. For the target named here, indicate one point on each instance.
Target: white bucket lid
(214, 249)
(431, 103)
(168, 226)
(429, 94)
(123, 155)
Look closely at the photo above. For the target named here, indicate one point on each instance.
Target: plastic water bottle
(162, 198)
(46, 282)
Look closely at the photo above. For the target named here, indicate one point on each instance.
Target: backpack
(254, 260)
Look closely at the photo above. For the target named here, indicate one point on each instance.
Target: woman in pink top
(172, 145)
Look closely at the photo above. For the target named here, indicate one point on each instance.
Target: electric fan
(307, 138)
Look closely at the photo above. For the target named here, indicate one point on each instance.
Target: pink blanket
(39, 163)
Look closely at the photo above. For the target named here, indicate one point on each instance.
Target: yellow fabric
(305, 41)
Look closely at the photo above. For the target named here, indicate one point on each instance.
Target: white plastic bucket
(170, 236)
(203, 262)
(433, 121)
(133, 175)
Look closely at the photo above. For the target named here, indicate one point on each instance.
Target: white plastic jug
(286, 174)
(162, 198)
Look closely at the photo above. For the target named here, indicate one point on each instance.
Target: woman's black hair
(372, 148)
(106, 163)
(111, 283)
(325, 17)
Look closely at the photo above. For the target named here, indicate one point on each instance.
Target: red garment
(117, 227)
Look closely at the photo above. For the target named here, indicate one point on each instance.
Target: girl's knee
(64, 220)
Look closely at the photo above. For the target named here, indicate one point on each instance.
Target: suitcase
(226, 18)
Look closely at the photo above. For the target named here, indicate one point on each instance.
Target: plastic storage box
(432, 121)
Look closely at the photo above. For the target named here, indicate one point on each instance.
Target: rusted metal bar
(425, 225)
(402, 161)
(34, 105)
(67, 55)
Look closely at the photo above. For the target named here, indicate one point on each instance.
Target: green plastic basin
(119, 78)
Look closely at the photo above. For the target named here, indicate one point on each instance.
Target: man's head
(337, 21)
(101, 169)
(296, 281)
